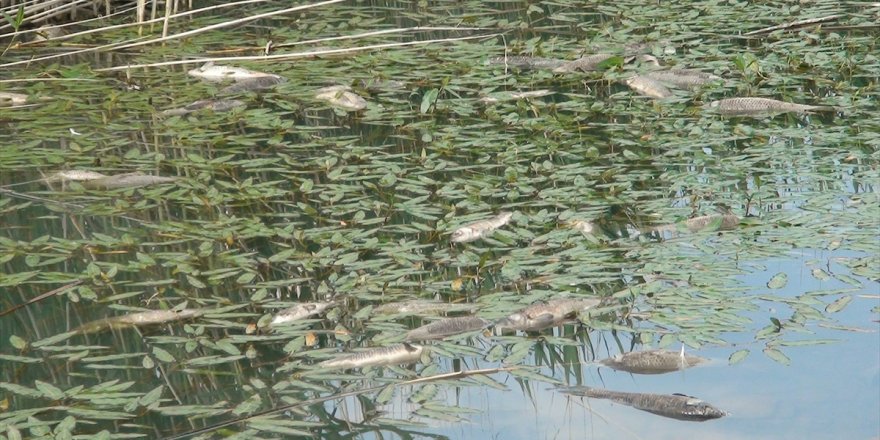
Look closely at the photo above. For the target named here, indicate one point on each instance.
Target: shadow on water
(750, 241)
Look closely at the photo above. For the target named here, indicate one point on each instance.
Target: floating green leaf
(778, 281)
(738, 356)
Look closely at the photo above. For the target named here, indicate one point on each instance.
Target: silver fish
(652, 361)
(674, 406)
(342, 97)
(717, 222)
(544, 315)
(75, 176)
(683, 78)
(446, 327)
(509, 96)
(480, 229)
(421, 306)
(253, 84)
(8, 99)
(300, 311)
(647, 87)
(762, 106)
(127, 180)
(586, 227)
(391, 355)
(217, 105)
(527, 62)
(586, 63)
(140, 319)
(217, 73)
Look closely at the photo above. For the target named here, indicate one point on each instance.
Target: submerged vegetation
(174, 262)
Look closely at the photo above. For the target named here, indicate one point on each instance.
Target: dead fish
(217, 73)
(683, 78)
(509, 96)
(480, 229)
(586, 227)
(253, 84)
(46, 33)
(421, 306)
(342, 97)
(762, 106)
(217, 105)
(74, 176)
(140, 319)
(674, 406)
(586, 63)
(300, 311)
(527, 62)
(652, 361)
(647, 87)
(392, 355)
(9, 99)
(127, 180)
(544, 315)
(447, 327)
(713, 222)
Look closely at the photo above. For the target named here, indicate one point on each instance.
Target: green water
(290, 199)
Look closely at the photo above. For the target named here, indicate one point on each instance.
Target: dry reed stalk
(135, 43)
(294, 55)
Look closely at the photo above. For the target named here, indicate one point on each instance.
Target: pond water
(285, 197)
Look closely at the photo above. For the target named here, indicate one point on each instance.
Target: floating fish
(674, 406)
(544, 315)
(300, 311)
(253, 84)
(714, 222)
(217, 105)
(140, 319)
(527, 62)
(392, 355)
(683, 78)
(447, 327)
(74, 176)
(480, 229)
(586, 227)
(509, 96)
(421, 306)
(127, 180)
(46, 33)
(647, 87)
(342, 97)
(217, 73)
(652, 361)
(9, 99)
(762, 106)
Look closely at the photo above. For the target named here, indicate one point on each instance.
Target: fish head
(505, 216)
(512, 321)
(198, 71)
(702, 410)
(712, 105)
(462, 235)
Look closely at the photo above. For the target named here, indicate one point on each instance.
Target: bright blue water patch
(828, 392)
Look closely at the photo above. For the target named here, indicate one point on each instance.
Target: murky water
(291, 196)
